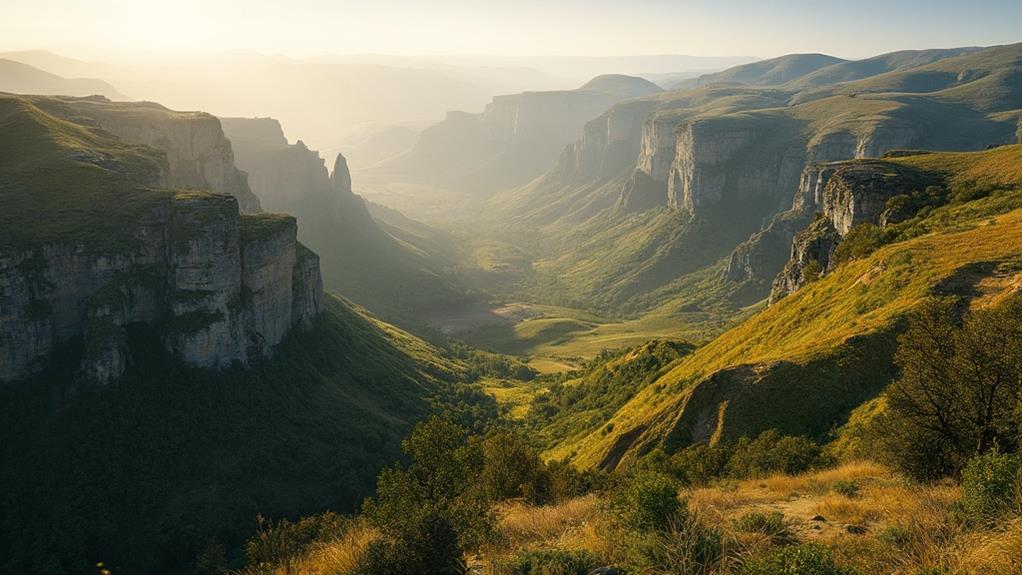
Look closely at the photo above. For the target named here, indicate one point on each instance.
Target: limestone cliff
(108, 248)
(843, 195)
(222, 287)
(198, 155)
(518, 136)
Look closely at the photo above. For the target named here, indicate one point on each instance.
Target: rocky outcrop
(221, 288)
(198, 154)
(811, 252)
(857, 193)
(843, 195)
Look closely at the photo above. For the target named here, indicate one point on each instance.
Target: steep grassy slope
(60, 179)
(144, 473)
(824, 350)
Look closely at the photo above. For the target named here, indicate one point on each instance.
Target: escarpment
(198, 155)
(843, 195)
(518, 136)
(85, 256)
(221, 288)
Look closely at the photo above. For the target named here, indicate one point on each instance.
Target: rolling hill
(19, 78)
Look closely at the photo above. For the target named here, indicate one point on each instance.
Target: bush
(686, 545)
(433, 510)
(845, 487)
(700, 464)
(649, 501)
(771, 524)
(807, 559)
(554, 562)
(990, 484)
(772, 452)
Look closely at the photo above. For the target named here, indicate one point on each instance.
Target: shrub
(433, 510)
(771, 524)
(277, 542)
(990, 484)
(894, 535)
(772, 452)
(649, 501)
(861, 241)
(700, 464)
(845, 487)
(553, 562)
(806, 559)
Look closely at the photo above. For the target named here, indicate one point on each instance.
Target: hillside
(772, 72)
(145, 473)
(18, 78)
(513, 140)
(825, 349)
(395, 268)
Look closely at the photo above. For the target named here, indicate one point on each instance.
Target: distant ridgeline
(117, 213)
(698, 182)
(514, 140)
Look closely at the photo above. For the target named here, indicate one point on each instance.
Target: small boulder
(818, 518)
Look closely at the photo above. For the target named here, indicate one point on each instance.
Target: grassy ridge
(966, 245)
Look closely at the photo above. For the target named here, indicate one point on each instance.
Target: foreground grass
(888, 525)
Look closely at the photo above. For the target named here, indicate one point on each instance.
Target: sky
(301, 28)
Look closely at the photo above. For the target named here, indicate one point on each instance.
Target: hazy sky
(764, 28)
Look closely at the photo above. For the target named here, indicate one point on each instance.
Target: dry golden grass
(991, 553)
(567, 525)
(338, 556)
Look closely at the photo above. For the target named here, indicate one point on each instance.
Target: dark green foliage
(959, 388)
(432, 510)
(648, 501)
(553, 562)
(484, 363)
(861, 241)
(143, 473)
(812, 271)
(513, 470)
(771, 452)
(990, 485)
(806, 559)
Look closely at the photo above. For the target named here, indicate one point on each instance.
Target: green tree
(958, 392)
(431, 511)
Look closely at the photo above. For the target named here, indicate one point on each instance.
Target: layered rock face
(198, 154)
(608, 144)
(843, 195)
(518, 136)
(282, 175)
(221, 287)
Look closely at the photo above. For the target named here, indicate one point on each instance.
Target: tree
(958, 392)
(432, 510)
